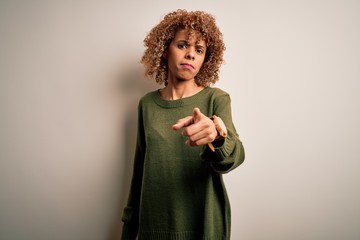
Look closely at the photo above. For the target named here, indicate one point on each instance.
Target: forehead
(189, 35)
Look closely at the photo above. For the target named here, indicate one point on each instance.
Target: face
(185, 55)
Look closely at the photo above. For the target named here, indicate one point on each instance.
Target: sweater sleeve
(231, 153)
(130, 215)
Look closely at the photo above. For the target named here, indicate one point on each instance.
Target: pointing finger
(184, 122)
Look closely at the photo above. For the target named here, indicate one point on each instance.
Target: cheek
(201, 62)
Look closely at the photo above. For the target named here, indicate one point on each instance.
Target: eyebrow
(197, 44)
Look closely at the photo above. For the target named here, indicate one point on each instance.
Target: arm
(224, 154)
(229, 153)
(131, 211)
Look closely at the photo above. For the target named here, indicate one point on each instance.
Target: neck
(180, 90)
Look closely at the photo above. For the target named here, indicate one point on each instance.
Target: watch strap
(220, 128)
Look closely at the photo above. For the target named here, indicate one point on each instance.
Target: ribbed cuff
(226, 149)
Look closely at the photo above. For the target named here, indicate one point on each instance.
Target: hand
(199, 128)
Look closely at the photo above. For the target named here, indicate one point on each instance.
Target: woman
(186, 138)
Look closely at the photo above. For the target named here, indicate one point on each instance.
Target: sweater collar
(178, 102)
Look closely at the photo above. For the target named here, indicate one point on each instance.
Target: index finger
(184, 122)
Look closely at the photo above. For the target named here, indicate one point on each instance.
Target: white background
(69, 85)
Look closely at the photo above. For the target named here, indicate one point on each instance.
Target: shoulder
(148, 97)
(217, 94)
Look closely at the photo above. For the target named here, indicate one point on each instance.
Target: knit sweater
(177, 191)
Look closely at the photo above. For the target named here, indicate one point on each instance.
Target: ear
(165, 55)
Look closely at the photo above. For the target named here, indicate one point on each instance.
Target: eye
(200, 51)
(181, 45)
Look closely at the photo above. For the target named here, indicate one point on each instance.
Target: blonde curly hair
(159, 38)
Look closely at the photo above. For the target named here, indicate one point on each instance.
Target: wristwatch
(220, 128)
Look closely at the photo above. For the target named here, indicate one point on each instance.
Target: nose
(190, 54)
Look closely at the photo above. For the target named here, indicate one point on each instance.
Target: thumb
(197, 115)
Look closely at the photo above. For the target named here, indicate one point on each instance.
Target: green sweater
(177, 191)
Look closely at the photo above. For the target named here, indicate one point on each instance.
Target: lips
(187, 66)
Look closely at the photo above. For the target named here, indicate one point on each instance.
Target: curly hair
(160, 37)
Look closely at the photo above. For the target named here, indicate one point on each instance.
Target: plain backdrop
(70, 80)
